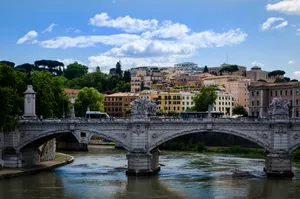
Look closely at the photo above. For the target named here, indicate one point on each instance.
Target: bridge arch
(294, 147)
(169, 136)
(40, 138)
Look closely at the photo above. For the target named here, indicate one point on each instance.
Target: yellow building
(169, 102)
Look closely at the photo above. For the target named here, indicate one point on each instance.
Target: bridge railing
(164, 119)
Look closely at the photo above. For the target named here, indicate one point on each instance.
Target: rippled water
(101, 174)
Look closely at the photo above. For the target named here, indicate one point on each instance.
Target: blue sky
(153, 32)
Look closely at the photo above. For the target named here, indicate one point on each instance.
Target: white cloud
(168, 30)
(50, 28)
(255, 63)
(296, 73)
(126, 23)
(281, 25)
(185, 45)
(107, 62)
(291, 7)
(77, 31)
(210, 39)
(151, 48)
(291, 62)
(28, 37)
(87, 41)
(298, 31)
(270, 21)
(69, 61)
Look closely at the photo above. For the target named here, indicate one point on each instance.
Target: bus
(214, 114)
(96, 115)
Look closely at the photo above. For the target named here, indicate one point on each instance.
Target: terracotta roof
(71, 91)
(274, 84)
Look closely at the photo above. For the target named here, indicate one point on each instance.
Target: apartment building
(224, 103)
(235, 85)
(169, 102)
(118, 104)
(262, 94)
(187, 101)
(187, 80)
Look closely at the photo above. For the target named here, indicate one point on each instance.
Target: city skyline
(250, 32)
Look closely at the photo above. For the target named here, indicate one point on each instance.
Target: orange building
(118, 104)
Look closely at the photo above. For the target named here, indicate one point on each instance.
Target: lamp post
(72, 100)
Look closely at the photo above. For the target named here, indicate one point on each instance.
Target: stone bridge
(141, 136)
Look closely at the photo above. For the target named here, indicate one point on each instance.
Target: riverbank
(60, 159)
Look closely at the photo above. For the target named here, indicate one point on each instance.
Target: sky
(153, 32)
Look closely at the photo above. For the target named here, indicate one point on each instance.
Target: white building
(187, 100)
(224, 103)
(186, 65)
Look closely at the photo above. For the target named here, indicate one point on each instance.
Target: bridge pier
(142, 163)
(279, 165)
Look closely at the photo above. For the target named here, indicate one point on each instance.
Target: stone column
(279, 165)
(29, 103)
(143, 164)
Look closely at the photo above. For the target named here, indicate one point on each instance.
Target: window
(257, 113)
(291, 102)
(252, 103)
(297, 102)
(257, 93)
(252, 113)
(257, 103)
(291, 92)
(174, 108)
(285, 92)
(297, 113)
(252, 93)
(271, 93)
(275, 93)
(182, 103)
(280, 93)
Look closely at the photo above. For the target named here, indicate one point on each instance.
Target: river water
(101, 174)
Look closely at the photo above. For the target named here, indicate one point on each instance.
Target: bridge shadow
(146, 188)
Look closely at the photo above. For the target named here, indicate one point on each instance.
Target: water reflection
(146, 188)
(186, 175)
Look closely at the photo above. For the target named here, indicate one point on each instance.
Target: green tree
(53, 66)
(51, 100)
(229, 68)
(8, 63)
(75, 70)
(279, 80)
(205, 69)
(26, 68)
(206, 97)
(12, 86)
(119, 68)
(88, 97)
(239, 110)
(276, 74)
(127, 77)
(294, 80)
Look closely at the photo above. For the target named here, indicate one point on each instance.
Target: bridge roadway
(142, 137)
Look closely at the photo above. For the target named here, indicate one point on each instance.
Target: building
(224, 103)
(118, 104)
(262, 94)
(71, 92)
(186, 65)
(187, 80)
(169, 102)
(256, 74)
(187, 101)
(235, 85)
